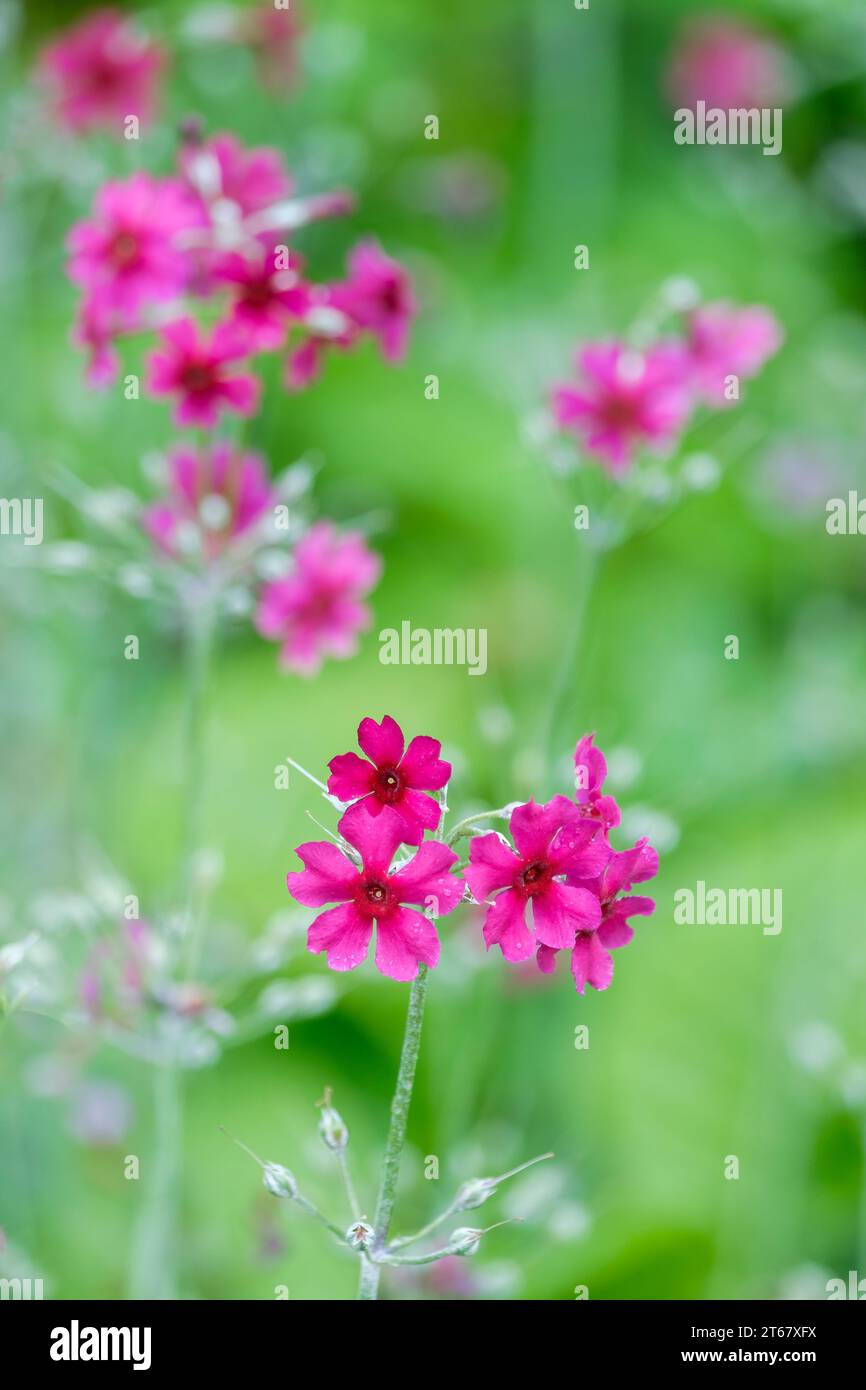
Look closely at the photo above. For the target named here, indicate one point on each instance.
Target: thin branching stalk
(369, 1283)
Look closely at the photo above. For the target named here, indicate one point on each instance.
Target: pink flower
(266, 298)
(197, 371)
(405, 938)
(224, 170)
(726, 341)
(550, 842)
(591, 961)
(272, 35)
(726, 64)
(100, 71)
(220, 492)
(625, 400)
(392, 777)
(316, 611)
(94, 330)
(129, 253)
(377, 297)
(590, 770)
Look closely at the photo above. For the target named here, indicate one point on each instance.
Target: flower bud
(465, 1241)
(279, 1181)
(474, 1193)
(332, 1130)
(359, 1235)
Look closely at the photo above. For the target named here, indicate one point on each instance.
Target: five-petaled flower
(625, 400)
(372, 894)
(550, 842)
(100, 71)
(215, 495)
(202, 373)
(317, 610)
(394, 777)
(725, 341)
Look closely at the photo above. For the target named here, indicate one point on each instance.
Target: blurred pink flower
(724, 341)
(317, 610)
(625, 399)
(393, 777)
(219, 490)
(272, 35)
(223, 169)
(591, 961)
(101, 70)
(372, 894)
(129, 253)
(550, 841)
(198, 372)
(377, 297)
(725, 63)
(265, 298)
(94, 331)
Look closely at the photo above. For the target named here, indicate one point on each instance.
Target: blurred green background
(712, 1041)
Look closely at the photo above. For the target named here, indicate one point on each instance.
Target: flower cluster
(157, 251)
(558, 885)
(627, 399)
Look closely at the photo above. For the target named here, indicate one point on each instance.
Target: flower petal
(533, 826)
(374, 837)
(591, 964)
(344, 933)
(421, 765)
(492, 864)
(505, 926)
(404, 940)
(350, 777)
(427, 877)
(383, 743)
(328, 875)
(560, 912)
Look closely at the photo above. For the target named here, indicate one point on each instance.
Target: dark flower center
(389, 784)
(534, 878)
(124, 250)
(197, 377)
(374, 897)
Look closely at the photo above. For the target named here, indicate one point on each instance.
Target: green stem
(154, 1256)
(588, 563)
(154, 1251)
(369, 1285)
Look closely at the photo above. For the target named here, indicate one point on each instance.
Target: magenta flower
(129, 253)
(725, 341)
(726, 63)
(405, 939)
(100, 71)
(591, 961)
(94, 331)
(265, 299)
(550, 842)
(217, 494)
(392, 777)
(248, 179)
(198, 372)
(317, 610)
(377, 298)
(625, 400)
(590, 770)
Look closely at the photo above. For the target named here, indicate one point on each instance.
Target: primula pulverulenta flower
(94, 331)
(377, 298)
(100, 71)
(726, 63)
(726, 341)
(591, 961)
(590, 770)
(215, 495)
(550, 841)
(265, 298)
(625, 400)
(372, 894)
(221, 170)
(202, 374)
(129, 252)
(317, 610)
(393, 777)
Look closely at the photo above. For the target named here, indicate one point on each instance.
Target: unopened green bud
(332, 1129)
(359, 1235)
(465, 1240)
(474, 1193)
